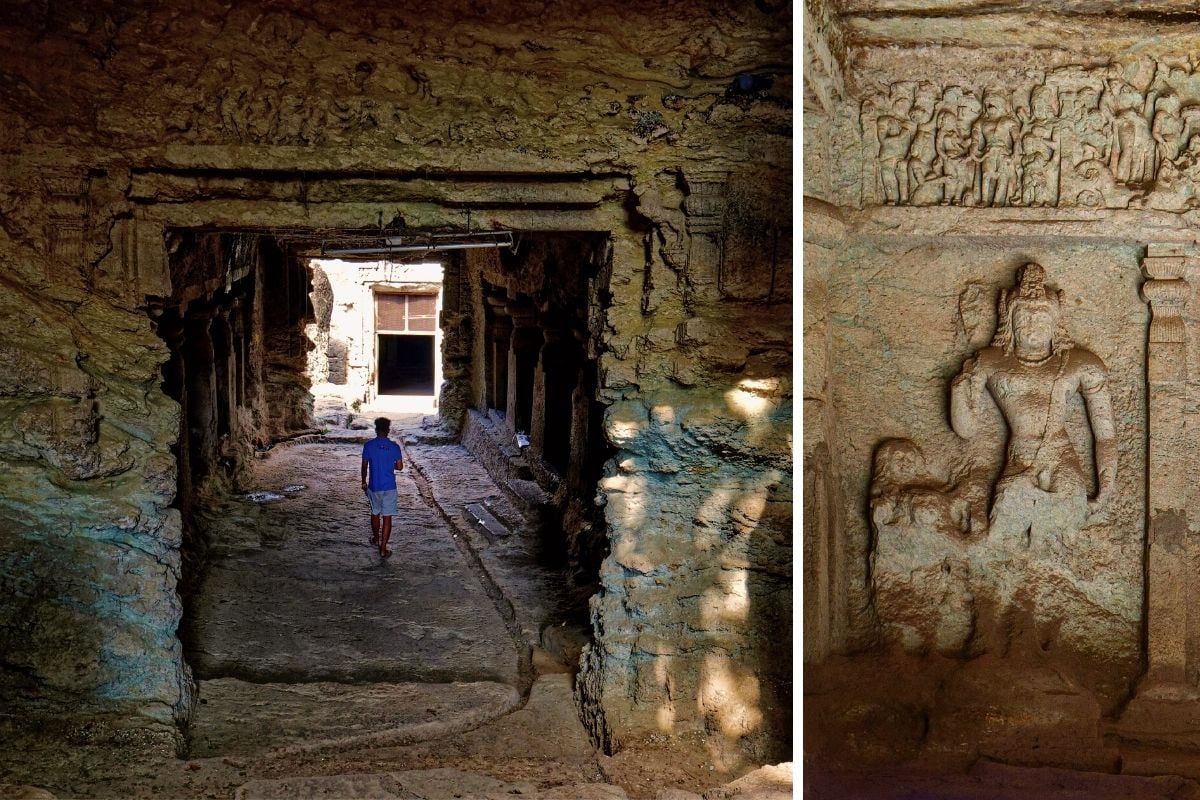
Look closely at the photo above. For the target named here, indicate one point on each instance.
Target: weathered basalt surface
(121, 127)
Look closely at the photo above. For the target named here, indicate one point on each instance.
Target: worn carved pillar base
(1166, 708)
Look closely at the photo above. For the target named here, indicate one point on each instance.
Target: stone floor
(295, 590)
(326, 671)
(988, 780)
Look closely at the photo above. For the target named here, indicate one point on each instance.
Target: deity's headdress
(1030, 291)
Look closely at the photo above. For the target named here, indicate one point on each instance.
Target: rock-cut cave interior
(548, 245)
(1000, 360)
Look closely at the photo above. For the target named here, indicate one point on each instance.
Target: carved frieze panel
(1119, 136)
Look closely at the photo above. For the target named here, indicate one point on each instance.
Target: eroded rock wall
(90, 547)
(667, 125)
(696, 601)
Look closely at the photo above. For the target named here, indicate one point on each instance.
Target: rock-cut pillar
(1169, 583)
(1167, 703)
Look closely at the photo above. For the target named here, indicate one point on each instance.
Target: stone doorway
(377, 341)
(407, 357)
(239, 325)
(243, 298)
(406, 364)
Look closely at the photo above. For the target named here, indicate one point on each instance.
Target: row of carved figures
(1097, 143)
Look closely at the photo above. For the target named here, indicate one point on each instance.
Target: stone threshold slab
(236, 717)
(493, 528)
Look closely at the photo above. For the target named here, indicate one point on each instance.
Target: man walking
(381, 458)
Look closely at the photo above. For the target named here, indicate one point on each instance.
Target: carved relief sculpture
(948, 571)
(1031, 371)
(953, 162)
(1041, 151)
(895, 131)
(1133, 157)
(924, 188)
(1125, 135)
(998, 150)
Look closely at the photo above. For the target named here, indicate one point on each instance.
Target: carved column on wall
(1169, 578)
(497, 337)
(543, 374)
(580, 413)
(1167, 703)
(705, 207)
(66, 225)
(138, 265)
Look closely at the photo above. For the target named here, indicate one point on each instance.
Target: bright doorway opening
(377, 339)
(406, 365)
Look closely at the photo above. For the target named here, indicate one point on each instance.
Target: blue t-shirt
(382, 454)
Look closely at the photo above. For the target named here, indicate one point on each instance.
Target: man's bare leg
(375, 525)
(384, 535)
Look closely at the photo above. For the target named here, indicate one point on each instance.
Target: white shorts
(383, 503)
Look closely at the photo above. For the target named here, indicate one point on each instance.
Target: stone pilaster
(705, 207)
(1166, 372)
(1167, 703)
(66, 225)
(552, 367)
(497, 341)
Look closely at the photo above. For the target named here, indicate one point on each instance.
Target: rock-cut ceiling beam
(1107, 26)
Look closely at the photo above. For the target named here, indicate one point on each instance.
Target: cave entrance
(516, 335)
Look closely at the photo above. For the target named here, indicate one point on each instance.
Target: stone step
(503, 510)
(493, 528)
(531, 495)
(427, 784)
(237, 718)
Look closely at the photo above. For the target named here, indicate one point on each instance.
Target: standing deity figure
(1092, 126)
(997, 140)
(1040, 187)
(1033, 371)
(923, 184)
(954, 159)
(1170, 129)
(1133, 157)
(1041, 153)
(895, 131)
